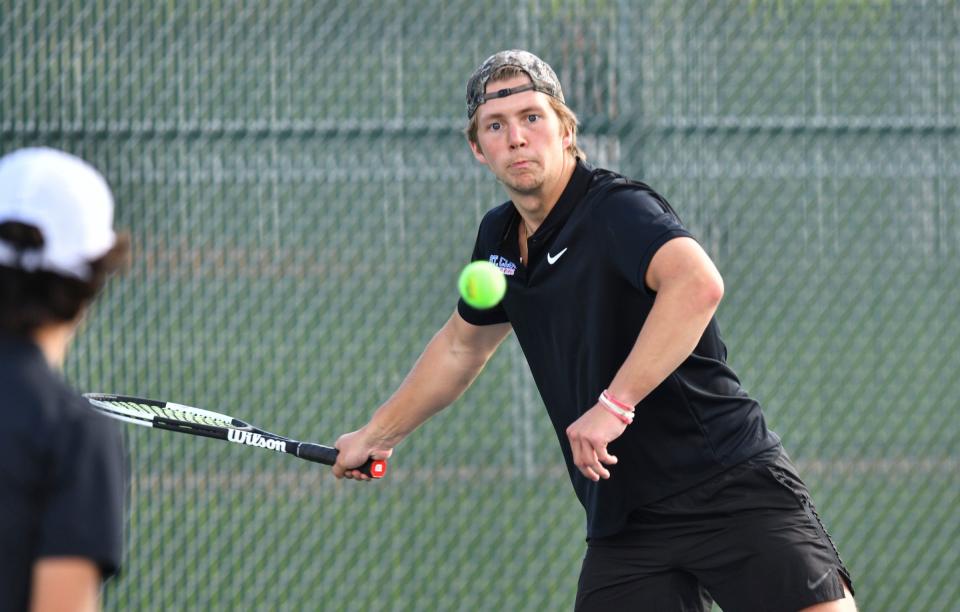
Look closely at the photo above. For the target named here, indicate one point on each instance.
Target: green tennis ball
(482, 284)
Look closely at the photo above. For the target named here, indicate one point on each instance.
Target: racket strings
(176, 414)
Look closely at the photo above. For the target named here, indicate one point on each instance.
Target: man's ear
(478, 152)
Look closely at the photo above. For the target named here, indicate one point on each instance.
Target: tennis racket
(187, 419)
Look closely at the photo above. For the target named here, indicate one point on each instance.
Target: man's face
(520, 139)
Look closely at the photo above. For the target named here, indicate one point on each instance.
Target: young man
(689, 497)
(62, 466)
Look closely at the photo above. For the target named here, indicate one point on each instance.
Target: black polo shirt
(62, 473)
(577, 306)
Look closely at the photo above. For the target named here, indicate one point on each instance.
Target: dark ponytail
(31, 299)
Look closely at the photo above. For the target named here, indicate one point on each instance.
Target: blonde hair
(568, 120)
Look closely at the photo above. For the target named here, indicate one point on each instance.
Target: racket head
(144, 411)
(197, 421)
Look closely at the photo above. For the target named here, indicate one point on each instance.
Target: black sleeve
(83, 514)
(636, 223)
(489, 316)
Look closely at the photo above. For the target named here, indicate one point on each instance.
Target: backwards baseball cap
(542, 77)
(67, 200)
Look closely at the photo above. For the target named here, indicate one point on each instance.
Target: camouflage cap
(543, 78)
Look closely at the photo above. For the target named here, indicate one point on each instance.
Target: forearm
(436, 380)
(678, 318)
(680, 314)
(447, 367)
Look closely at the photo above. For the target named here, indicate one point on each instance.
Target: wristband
(620, 414)
(625, 416)
(616, 402)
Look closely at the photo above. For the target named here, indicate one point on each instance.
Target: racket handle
(374, 468)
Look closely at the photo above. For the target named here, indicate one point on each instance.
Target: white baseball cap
(65, 198)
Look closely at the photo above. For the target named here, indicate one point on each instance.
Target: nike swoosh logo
(552, 259)
(816, 583)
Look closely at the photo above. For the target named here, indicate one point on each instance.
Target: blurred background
(300, 200)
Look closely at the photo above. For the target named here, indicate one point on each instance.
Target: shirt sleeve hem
(480, 317)
(652, 249)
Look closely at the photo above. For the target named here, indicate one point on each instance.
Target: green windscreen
(300, 199)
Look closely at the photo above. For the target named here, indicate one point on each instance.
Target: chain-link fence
(300, 200)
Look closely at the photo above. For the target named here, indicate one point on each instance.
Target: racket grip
(374, 468)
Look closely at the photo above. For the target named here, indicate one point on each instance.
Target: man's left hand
(589, 436)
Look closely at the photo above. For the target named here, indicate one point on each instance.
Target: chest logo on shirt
(552, 259)
(505, 265)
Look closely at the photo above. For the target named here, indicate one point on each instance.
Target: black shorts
(749, 538)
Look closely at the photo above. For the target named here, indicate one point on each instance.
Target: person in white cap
(62, 465)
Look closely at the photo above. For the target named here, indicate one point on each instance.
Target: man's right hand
(355, 449)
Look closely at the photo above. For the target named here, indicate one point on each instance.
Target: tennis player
(62, 470)
(689, 497)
